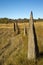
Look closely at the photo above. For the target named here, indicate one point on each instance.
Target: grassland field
(14, 48)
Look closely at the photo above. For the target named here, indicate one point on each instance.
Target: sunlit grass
(19, 57)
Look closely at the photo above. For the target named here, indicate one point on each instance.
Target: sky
(15, 9)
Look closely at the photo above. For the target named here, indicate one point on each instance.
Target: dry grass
(16, 52)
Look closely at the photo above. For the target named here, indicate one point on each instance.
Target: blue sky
(21, 8)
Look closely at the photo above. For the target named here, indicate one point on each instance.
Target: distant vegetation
(6, 20)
